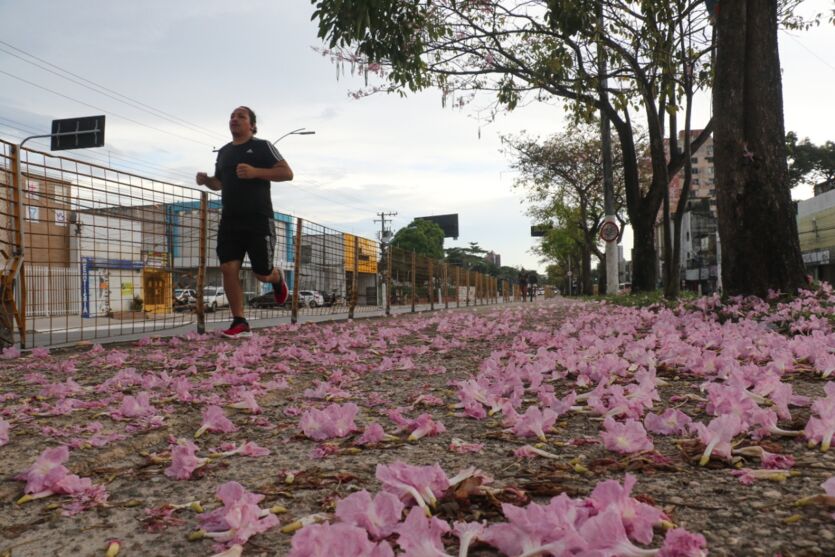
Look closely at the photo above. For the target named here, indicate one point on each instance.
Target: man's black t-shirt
(245, 198)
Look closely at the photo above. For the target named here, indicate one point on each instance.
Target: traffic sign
(609, 231)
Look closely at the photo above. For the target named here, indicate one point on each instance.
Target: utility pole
(382, 220)
(385, 256)
(609, 231)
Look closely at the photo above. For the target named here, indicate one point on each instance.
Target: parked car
(214, 297)
(311, 298)
(267, 301)
(184, 295)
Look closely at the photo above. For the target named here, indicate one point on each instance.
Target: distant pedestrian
(243, 172)
(523, 284)
(533, 281)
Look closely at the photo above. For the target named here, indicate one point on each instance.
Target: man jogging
(243, 172)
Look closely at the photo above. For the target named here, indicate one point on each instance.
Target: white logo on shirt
(249, 151)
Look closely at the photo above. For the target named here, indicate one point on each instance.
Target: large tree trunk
(757, 227)
(644, 260)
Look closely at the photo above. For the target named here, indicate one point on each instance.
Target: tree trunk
(644, 261)
(587, 287)
(757, 226)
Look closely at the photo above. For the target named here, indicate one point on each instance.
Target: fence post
(430, 286)
(388, 279)
(457, 286)
(297, 265)
(201, 261)
(446, 285)
(467, 286)
(414, 280)
(354, 282)
(14, 273)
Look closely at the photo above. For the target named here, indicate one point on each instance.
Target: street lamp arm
(300, 131)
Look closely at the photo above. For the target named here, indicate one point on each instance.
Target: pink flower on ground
(462, 447)
(184, 460)
(625, 438)
(215, 420)
(467, 532)
(717, 436)
(419, 536)
(372, 435)
(424, 484)
(680, 543)
(424, 426)
(672, 422)
(247, 402)
(239, 519)
(638, 518)
(336, 540)
(137, 407)
(379, 516)
(4, 432)
(821, 428)
(605, 533)
(47, 476)
(829, 486)
(535, 422)
(334, 421)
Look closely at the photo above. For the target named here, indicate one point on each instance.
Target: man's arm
(279, 172)
(211, 182)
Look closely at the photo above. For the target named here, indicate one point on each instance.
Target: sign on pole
(77, 133)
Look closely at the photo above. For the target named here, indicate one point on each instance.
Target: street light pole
(300, 131)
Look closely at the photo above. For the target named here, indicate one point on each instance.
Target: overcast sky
(197, 60)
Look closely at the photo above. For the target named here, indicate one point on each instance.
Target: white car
(311, 298)
(214, 297)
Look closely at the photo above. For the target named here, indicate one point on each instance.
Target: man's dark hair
(252, 119)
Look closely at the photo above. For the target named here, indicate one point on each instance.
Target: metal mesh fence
(93, 253)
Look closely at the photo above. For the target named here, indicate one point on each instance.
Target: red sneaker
(238, 330)
(280, 291)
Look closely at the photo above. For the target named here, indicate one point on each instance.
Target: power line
(807, 49)
(101, 109)
(102, 90)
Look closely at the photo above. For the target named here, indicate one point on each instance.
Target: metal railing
(90, 253)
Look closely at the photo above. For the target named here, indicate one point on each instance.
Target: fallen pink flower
(184, 460)
(137, 407)
(748, 476)
(717, 436)
(379, 516)
(672, 422)
(462, 447)
(215, 420)
(334, 421)
(247, 402)
(535, 422)
(4, 432)
(336, 540)
(680, 543)
(424, 426)
(424, 484)
(467, 532)
(638, 518)
(374, 434)
(527, 451)
(419, 536)
(625, 438)
(239, 519)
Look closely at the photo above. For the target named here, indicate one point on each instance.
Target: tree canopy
(421, 236)
(810, 163)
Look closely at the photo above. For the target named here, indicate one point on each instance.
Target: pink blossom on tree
(625, 438)
(379, 516)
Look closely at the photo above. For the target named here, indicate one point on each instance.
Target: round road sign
(609, 231)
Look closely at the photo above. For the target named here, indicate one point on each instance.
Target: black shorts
(254, 237)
